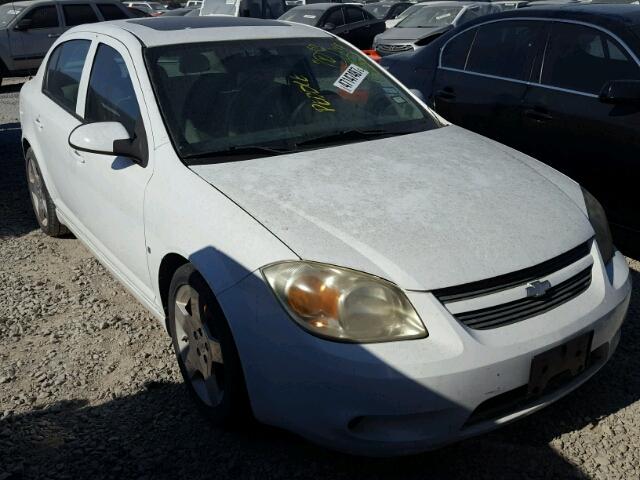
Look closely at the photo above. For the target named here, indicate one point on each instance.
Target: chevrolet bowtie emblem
(538, 289)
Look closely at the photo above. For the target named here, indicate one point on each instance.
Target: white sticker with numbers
(351, 78)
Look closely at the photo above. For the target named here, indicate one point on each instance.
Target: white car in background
(326, 253)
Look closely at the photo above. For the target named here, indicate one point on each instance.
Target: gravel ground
(89, 386)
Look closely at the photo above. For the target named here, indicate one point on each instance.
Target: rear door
(357, 34)
(483, 74)
(571, 129)
(29, 46)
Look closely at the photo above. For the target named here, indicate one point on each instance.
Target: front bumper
(404, 397)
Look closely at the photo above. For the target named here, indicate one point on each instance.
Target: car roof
(597, 14)
(157, 31)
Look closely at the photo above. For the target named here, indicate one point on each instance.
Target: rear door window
(110, 96)
(506, 49)
(353, 15)
(583, 59)
(64, 69)
(43, 17)
(335, 17)
(109, 11)
(78, 14)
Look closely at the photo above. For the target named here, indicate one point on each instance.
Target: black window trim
(54, 99)
(546, 21)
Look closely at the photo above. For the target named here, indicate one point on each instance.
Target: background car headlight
(343, 304)
(598, 219)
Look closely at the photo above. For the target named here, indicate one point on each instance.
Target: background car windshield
(308, 17)
(378, 10)
(426, 17)
(278, 93)
(156, 6)
(8, 12)
(218, 7)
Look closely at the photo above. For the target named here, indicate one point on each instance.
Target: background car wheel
(43, 207)
(205, 350)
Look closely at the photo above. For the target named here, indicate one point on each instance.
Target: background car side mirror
(329, 26)
(105, 138)
(24, 24)
(621, 92)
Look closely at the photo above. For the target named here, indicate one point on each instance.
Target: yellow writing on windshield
(318, 102)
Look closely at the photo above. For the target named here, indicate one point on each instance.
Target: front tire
(43, 207)
(205, 350)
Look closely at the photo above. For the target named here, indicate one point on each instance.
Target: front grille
(393, 47)
(506, 313)
(514, 279)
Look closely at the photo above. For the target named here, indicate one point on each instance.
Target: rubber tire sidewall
(233, 410)
(53, 228)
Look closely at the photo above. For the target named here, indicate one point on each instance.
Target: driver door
(110, 189)
(30, 45)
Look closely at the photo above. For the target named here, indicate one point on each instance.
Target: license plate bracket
(562, 362)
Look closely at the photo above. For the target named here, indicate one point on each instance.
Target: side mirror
(105, 138)
(329, 26)
(24, 24)
(621, 92)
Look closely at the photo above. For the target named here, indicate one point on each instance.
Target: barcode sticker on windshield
(351, 78)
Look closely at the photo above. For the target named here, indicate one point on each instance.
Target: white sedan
(326, 253)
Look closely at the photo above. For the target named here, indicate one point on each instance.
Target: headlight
(598, 219)
(343, 304)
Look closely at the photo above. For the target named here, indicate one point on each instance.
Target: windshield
(430, 17)
(308, 17)
(218, 7)
(8, 12)
(378, 10)
(276, 96)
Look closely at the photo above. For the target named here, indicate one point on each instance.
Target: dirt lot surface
(89, 386)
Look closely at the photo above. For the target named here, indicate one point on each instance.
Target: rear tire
(205, 350)
(43, 207)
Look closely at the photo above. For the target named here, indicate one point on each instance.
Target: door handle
(537, 114)
(53, 35)
(78, 156)
(446, 94)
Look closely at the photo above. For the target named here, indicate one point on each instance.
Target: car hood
(426, 210)
(409, 34)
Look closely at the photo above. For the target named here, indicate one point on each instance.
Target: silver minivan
(28, 28)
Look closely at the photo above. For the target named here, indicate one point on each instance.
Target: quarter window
(64, 69)
(78, 14)
(43, 17)
(584, 59)
(455, 53)
(505, 49)
(110, 96)
(111, 12)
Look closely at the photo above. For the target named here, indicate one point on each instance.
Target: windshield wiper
(347, 135)
(244, 150)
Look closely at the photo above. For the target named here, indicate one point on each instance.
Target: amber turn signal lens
(310, 296)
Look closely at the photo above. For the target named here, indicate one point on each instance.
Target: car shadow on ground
(158, 433)
(11, 88)
(15, 207)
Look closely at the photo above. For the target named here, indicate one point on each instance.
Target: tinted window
(306, 16)
(78, 14)
(274, 8)
(110, 96)
(111, 12)
(455, 53)
(505, 49)
(43, 17)
(64, 69)
(335, 17)
(584, 59)
(354, 15)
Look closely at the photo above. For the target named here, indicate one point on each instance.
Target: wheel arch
(168, 266)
